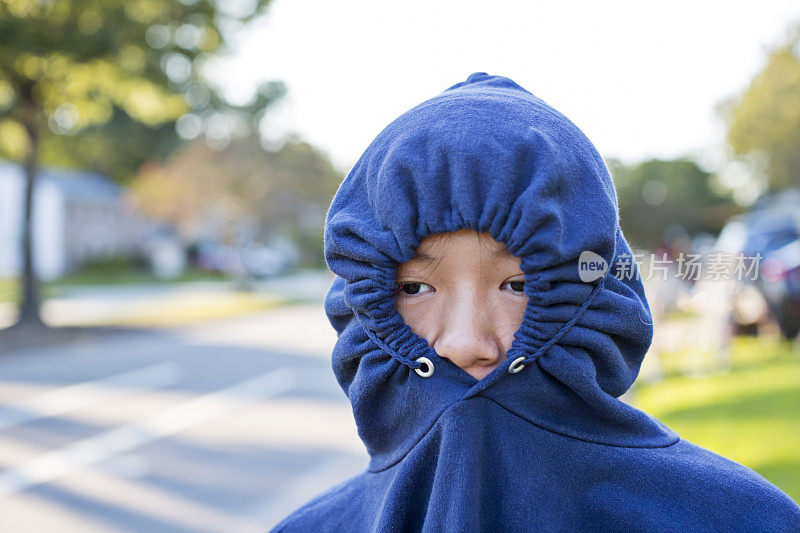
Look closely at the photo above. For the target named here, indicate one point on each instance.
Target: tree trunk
(29, 314)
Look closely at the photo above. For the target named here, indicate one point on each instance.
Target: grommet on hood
(542, 442)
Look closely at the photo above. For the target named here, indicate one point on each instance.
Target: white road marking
(89, 393)
(172, 420)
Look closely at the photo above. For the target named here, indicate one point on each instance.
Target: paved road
(226, 426)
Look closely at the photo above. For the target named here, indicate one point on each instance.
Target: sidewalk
(83, 312)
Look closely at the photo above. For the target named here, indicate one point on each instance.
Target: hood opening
(526, 347)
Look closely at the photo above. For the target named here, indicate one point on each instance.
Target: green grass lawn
(122, 275)
(750, 414)
(184, 311)
(179, 310)
(9, 290)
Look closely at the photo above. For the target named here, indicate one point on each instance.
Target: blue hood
(488, 155)
(449, 452)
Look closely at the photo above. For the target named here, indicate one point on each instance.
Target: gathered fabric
(543, 442)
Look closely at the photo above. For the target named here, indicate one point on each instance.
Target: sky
(641, 79)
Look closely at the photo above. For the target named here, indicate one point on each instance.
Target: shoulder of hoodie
(729, 495)
(735, 493)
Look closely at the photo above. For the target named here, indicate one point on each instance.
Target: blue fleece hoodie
(542, 443)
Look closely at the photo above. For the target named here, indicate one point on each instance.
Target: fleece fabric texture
(551, 447)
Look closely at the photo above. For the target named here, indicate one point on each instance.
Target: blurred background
(165, 168)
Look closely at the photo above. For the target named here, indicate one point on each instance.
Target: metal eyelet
(424, 373)
(516, 365)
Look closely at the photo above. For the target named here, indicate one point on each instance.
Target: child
(499, 409)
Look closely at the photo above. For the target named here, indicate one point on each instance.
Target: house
(77, 216)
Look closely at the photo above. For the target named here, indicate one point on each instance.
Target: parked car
(770, 229)
(262, 261)
(257, 260)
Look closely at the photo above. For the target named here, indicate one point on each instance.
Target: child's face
(463, 293)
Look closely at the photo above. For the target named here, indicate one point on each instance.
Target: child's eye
(412, 287)
(516, 286)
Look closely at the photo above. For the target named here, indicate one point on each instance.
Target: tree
(656, 194)
(764, 122)
(242, 189)
(101, 83)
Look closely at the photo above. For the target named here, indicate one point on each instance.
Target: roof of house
(73, 183)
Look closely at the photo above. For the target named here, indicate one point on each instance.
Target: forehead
(437, 245)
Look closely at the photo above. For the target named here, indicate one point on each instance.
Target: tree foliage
(100, 83)
(764, 122)
(658, 194)
(242, 192)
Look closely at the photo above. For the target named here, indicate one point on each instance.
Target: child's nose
(468, 339)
